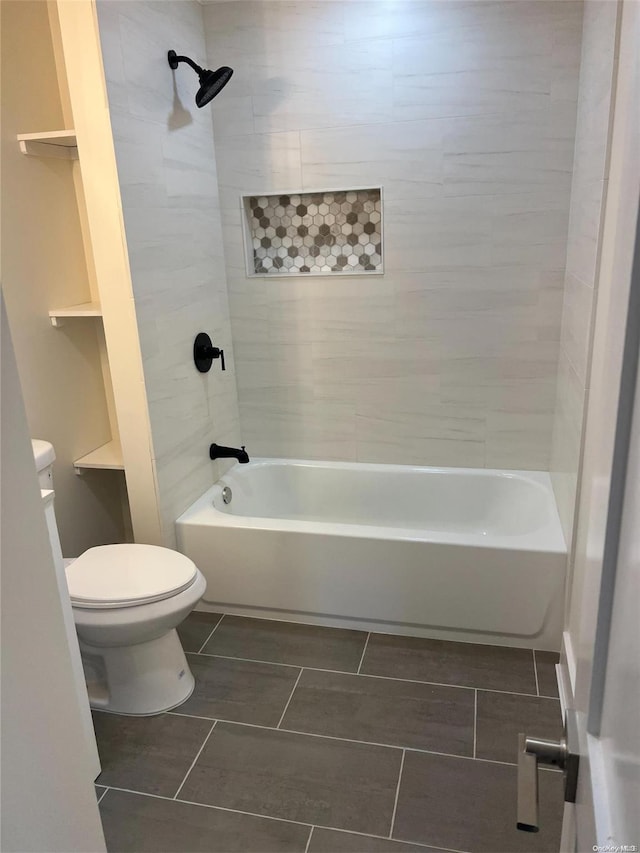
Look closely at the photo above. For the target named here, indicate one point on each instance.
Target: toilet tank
(44, 456)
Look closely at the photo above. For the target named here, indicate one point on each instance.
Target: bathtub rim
(547, 539)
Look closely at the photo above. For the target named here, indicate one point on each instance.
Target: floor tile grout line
(210, 635)
(365, 631)
(211, 806)
(395, 802)
(535, 671)
(386, 838)
(301, 624)
(364, 651)
(272, 817)
(175, 797)
(259, 660)
(371, 675)
(290, 698)
(362, 630)
(475, 722)
(102, 794)
(353, 740)
(306, 849)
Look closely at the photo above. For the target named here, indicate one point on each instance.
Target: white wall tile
(257, 163)
(567, 439)
(406, 159)
(516, 437)
(576, 324)
(440, 438)
(465, 114)
(167, 172)
(267, 27)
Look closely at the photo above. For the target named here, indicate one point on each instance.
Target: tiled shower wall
(465, 113)
(583, 249)
(167, 173)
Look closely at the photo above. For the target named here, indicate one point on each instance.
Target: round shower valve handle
(204, 353)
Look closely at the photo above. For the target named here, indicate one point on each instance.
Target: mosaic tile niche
(315, 233)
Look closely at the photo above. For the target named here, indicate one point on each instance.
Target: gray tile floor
(323, 740)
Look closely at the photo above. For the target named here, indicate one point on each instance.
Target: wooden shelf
(55, 143)
(108, 457)
(85, 309)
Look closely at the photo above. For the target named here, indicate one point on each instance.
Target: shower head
(211, 82)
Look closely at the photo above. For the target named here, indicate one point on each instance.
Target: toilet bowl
(127, 601)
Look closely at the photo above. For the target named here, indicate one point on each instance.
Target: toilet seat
(112, 576)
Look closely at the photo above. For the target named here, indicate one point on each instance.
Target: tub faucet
(218, 451)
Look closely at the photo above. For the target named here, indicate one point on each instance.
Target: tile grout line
(386, 838)
(362, 630)
(535, 671)
(475, 722)
(395, 802)
(210, 806)
(175, 797)
(352, 740)
(102, 794)
(290, 698)
(370, 675)
(210, 635)
(258, 660)
(364, 651)
(383, 838)
(272, 817)
(306, 849)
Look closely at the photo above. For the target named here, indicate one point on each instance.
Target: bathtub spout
(218, 451)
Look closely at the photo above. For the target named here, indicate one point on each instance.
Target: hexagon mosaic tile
(316, 233)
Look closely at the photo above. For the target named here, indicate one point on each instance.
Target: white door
(608, 803)
(48, 799)
(600, 668)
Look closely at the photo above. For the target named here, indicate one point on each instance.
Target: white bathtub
(451, 553)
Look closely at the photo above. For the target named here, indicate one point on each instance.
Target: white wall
(48, 798)
(465, 113)
(44, 267)
(588, 190)
(167, 174)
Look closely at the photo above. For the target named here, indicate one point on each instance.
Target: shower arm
(174, 59)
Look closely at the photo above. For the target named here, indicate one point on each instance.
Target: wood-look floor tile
(288, 642)
(134, 823)
(501, 716)
(401, 713)
(546, 667)
(442, 662)
(298, 777)
(334, 841)
(196, 628)
(148, 754)
(466, 804)
(238, 690)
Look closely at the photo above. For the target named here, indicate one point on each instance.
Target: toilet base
(141, 680)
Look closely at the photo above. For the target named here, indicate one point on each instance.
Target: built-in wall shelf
(314, 233)
(55, 143)
(85, 309)
(108, 456)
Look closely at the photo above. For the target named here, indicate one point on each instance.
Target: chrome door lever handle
(533, 751)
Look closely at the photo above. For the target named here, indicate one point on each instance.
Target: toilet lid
(126, 575)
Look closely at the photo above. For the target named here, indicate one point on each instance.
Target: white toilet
(127, 601)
